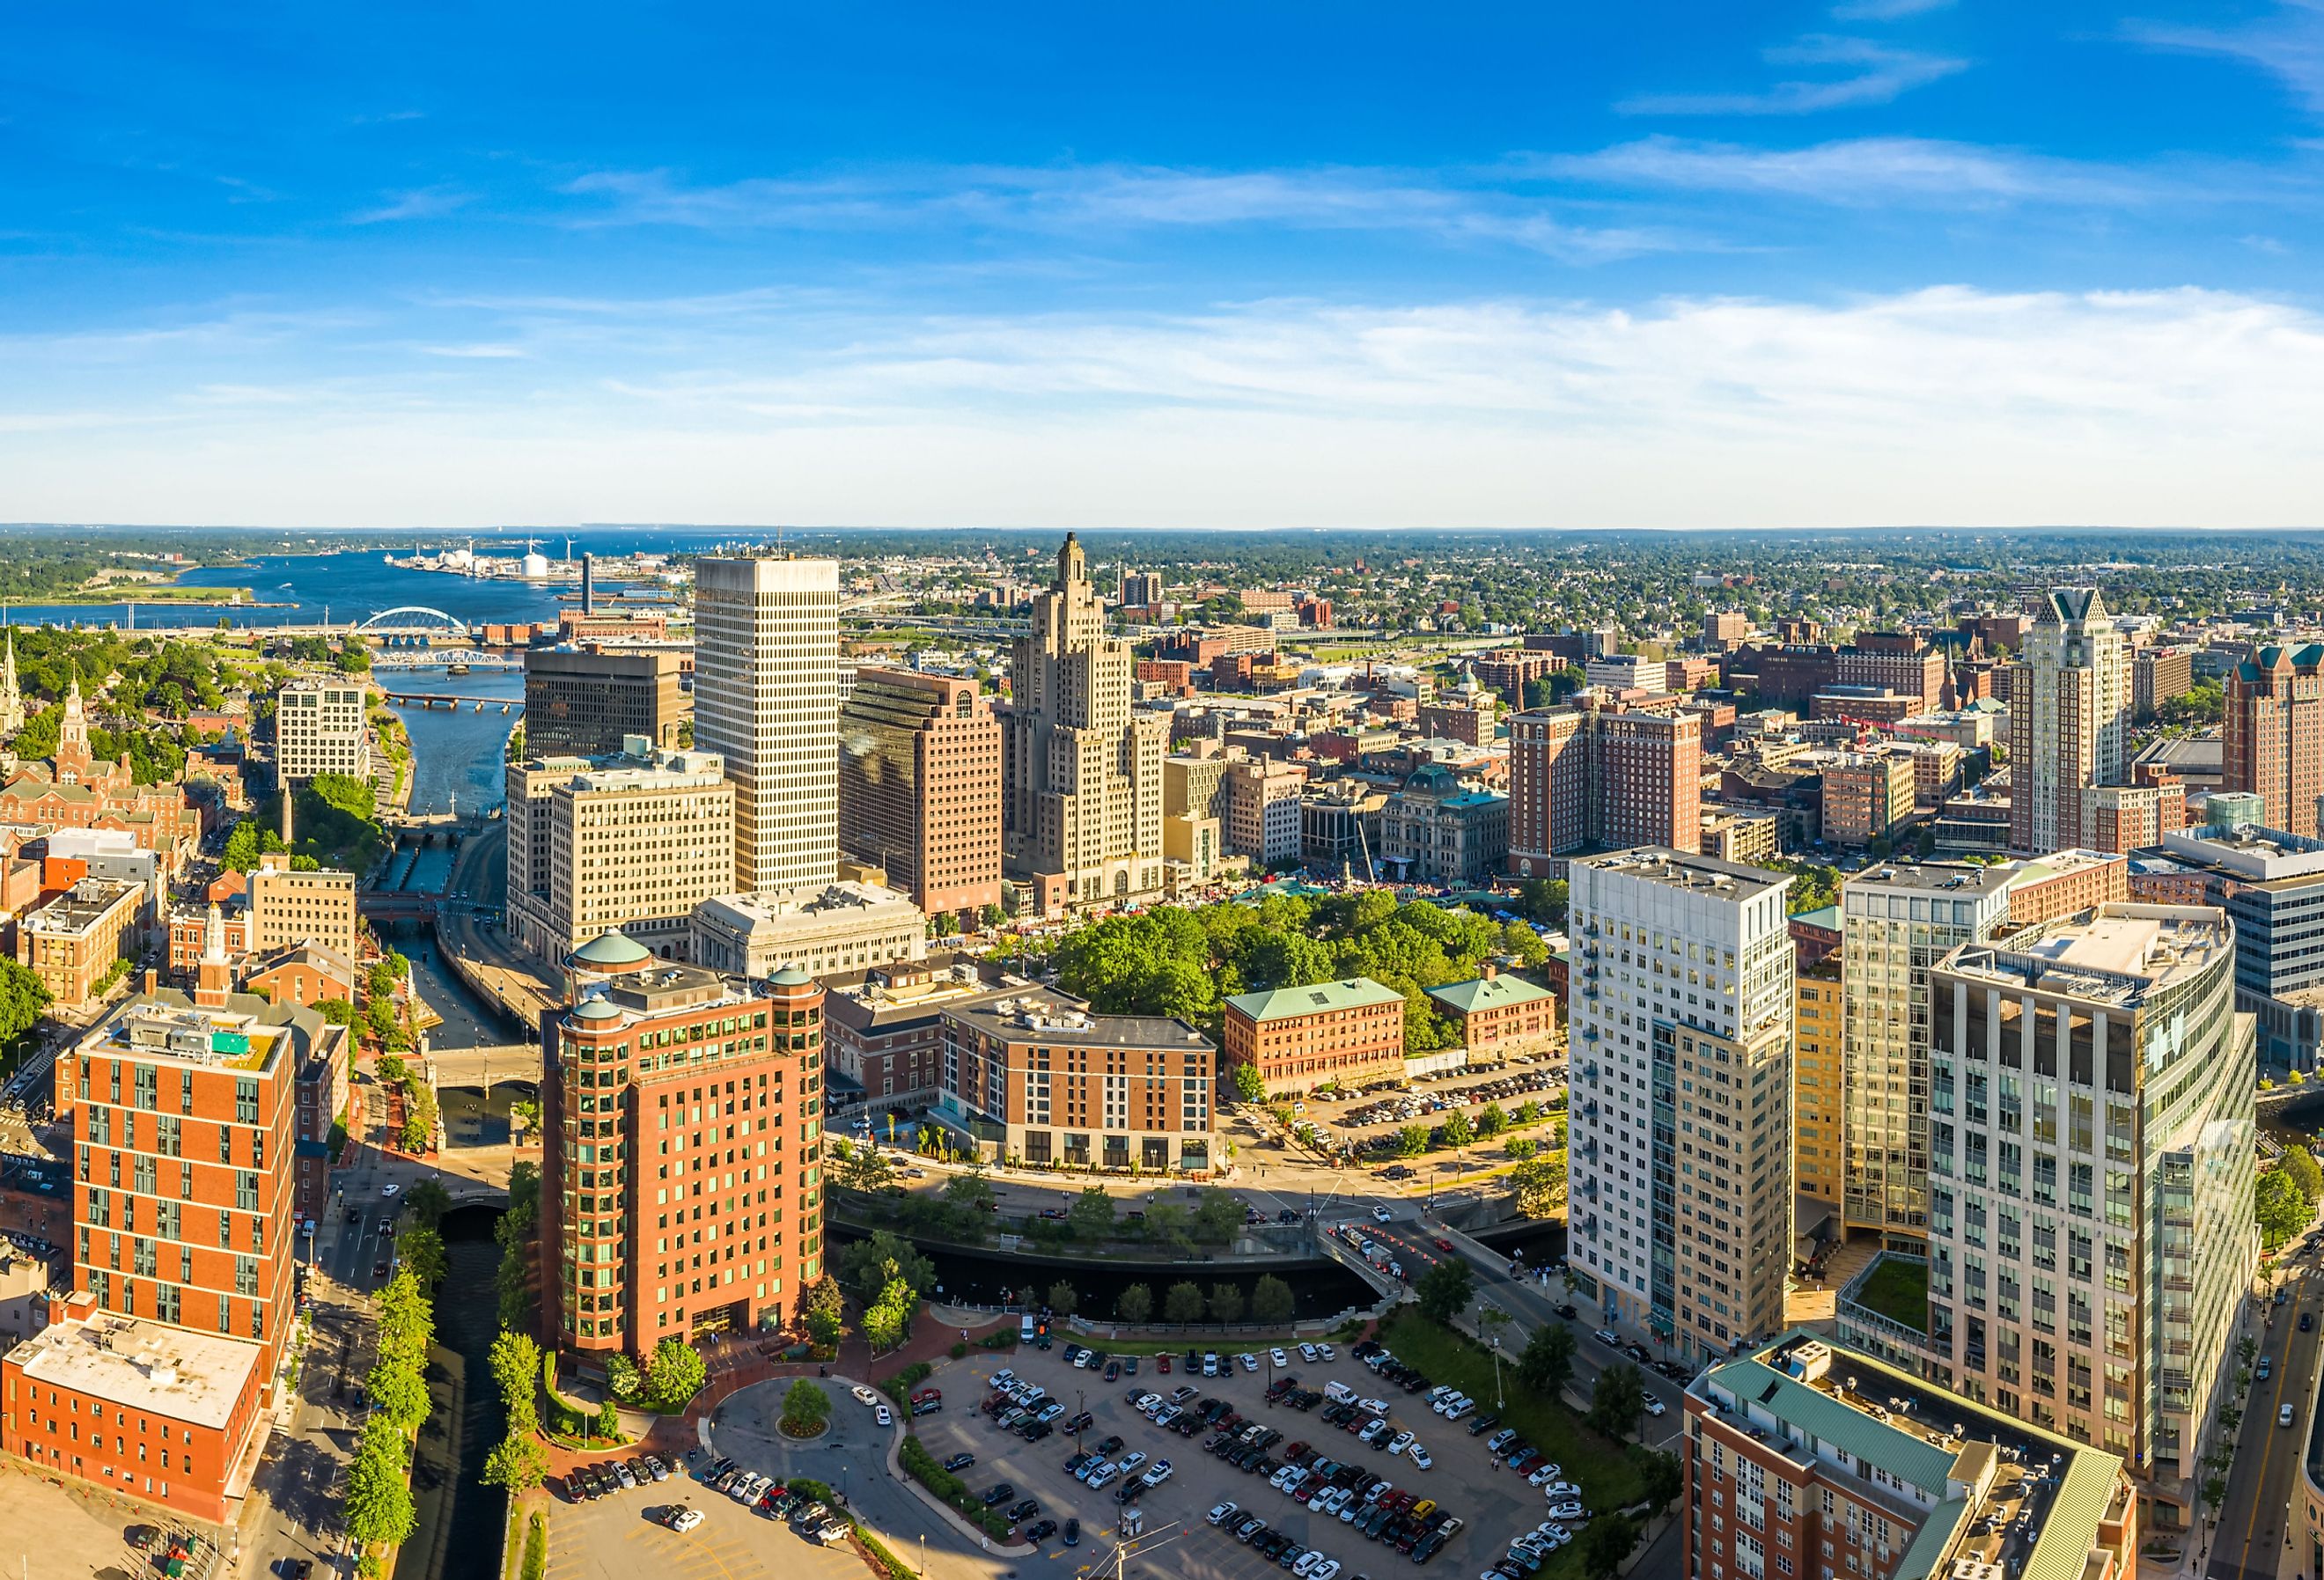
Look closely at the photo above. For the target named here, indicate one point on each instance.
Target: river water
(457, 1534)
(457, 756)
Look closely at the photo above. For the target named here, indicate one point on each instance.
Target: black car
(1482, 1425)
(1568, 1312)
(2307, 1320)
(960, 1462)
(1000, 1493)
(1110, 1447)
(1025, 1509)
(1073, 1533)
(1041, 1532)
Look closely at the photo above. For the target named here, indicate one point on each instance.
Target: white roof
(174, 1371)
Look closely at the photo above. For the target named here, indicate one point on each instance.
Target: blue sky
(1855, 263)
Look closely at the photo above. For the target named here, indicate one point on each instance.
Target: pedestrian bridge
(481, 1069)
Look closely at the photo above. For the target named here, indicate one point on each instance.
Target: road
(2249, 1541)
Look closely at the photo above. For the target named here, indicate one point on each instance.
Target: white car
(1306, 1565)
(1561, 1491)
(1249, 1361)
(390, 1188)
(1329, 1569)
(1102, 1477)
(1001, 1380)
(686, 1520)
(1157, 1473)
(1377, 1406)
(1325, 1352)
(1308, 1353)
(884, 1416)
(1655, 1407)
(1573, 1512)
(1446, 1405)
(1544, 1475)
(1147, 1401)
(1221, 1512)
(1399, 1442)
(1419, 1457)
(864, 1395)
(1380, 1214)
(1278, 1357)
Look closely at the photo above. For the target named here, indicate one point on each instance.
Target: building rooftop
(80, 907)
(1317, 998)
(2004, 1493)
(148, 1366)
(1040, 1014)
(807, 909)
(1487, 992)
(2112, 953)
(1655, 865)
(1961, 878)
(2248, 851)
(245, 1033)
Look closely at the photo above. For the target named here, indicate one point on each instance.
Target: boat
(455, 668)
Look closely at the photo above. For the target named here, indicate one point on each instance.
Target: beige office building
(1081, 773)
(631, 843)
(768, 689)
(289, 908)
(2069, 713)
(319, 729)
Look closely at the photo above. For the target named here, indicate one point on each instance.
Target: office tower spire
(2069, 719)
(768, 687)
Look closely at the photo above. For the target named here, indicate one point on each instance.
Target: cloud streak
(1869, 73)
(1859, 173)
(1115, 198)
(426, 203)
(2288, 46)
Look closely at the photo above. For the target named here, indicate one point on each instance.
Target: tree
(520, 1463)
(1063, 1298)
(1458, 1130)
(422, 1251)
(1412, 1140)
(1445, 1289)
(1272, 1301)
(427, 1202)
(868, 1267)
(609, 1421)
(887, 1319)
(1617, 1401)
(823, 1309)
(379, 1511)
(1226, 1303)
(1604, 1545)
(23, 999)
(2277, 1204)
(2300, 1163)
(866, 1168)
(1662, 1480)
(400, 1393)
(1217, 1216)
(805, 1408)
(516, 1365)
(675, 1373)
(622, 1378)
(1492, 1122)
(1540, 1185)
(1520, 1148)
(1165, 1224)
(971, 1196)
(1249, 1084)
(1135, 1304)
(1182, 1303)
(1546, 1365)
(1090, 1217)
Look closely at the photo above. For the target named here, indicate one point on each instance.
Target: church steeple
(214, 974)
(73, 759)
(11, 700)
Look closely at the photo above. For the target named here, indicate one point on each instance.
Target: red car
(1442, 1243)
(1162, 1363)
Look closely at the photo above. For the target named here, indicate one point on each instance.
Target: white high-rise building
(768, 687)
(319, 727)
(1680, 1160)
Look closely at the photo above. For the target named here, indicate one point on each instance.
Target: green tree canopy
(1183, 1302)
(1135, 1304)
(1271, 1300)
(1444, 1290)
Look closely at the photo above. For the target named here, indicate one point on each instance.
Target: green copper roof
(1321, 998)
(613, 949)
(1487, 992)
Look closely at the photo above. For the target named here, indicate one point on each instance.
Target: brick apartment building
(919, 786)
(1601, 778)
(681, 1115)
(1350, 1032)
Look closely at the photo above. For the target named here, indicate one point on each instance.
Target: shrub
(959, 1349)
(899, 1387)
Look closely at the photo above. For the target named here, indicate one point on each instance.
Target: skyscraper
(2274, 744)
(2069, 719)
(1895, 923)
(1681, 1099)
(768, 687)
(2090, 1232)
(919, 786)
(1082, 773)
(1601, 777)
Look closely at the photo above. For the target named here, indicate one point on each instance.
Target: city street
(2249, 1539)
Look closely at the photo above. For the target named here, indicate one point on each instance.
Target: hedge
(924, 1469)
(536, 1549)
(899, 1387)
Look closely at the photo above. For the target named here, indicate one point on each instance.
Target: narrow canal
(458, 1536)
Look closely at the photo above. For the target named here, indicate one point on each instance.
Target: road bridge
(482, 1069)
(451, 701)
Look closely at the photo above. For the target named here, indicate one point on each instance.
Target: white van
(1025, 1334)
(1339, 1392)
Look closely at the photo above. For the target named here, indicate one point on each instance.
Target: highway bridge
(450, 701)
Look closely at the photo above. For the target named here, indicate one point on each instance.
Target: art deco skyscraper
(1082, 773)
(2274, 736)
(2069, 719)
(768, 685)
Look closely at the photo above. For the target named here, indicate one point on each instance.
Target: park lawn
(1899, 1291)
(1609, 1478)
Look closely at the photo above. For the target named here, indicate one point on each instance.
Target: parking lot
(620, 1536)
(1494, 1505)
(1372, 1117)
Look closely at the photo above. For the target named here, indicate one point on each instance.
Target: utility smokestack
(589, 583)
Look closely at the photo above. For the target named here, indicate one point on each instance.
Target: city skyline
(1502, 273)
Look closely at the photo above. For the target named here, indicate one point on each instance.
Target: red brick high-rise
(681, 1117)
(1602, 778)
(2274, 745)
(919, 786)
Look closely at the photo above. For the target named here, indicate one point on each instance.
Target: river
(457, 753)
(457, 1533)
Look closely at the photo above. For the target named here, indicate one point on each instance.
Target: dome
(611, 951)
(596, 1010)
(536, 565)
(790, 977)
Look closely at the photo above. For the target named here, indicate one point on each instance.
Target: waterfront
(459, 754)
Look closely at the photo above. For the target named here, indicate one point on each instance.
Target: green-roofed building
(1348, 1032)
(1499, 1015)
(1803, 1446)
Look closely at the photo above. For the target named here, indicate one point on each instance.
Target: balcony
(1590, 1109)
(1588, 1072)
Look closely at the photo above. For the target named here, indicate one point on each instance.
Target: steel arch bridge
(415, 619)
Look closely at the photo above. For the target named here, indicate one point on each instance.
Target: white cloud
(1886, 10)
(2290, 45)
(1944, 405)
(1857, 171)
(1871, 73)
(1081, 197)
(426, 203)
